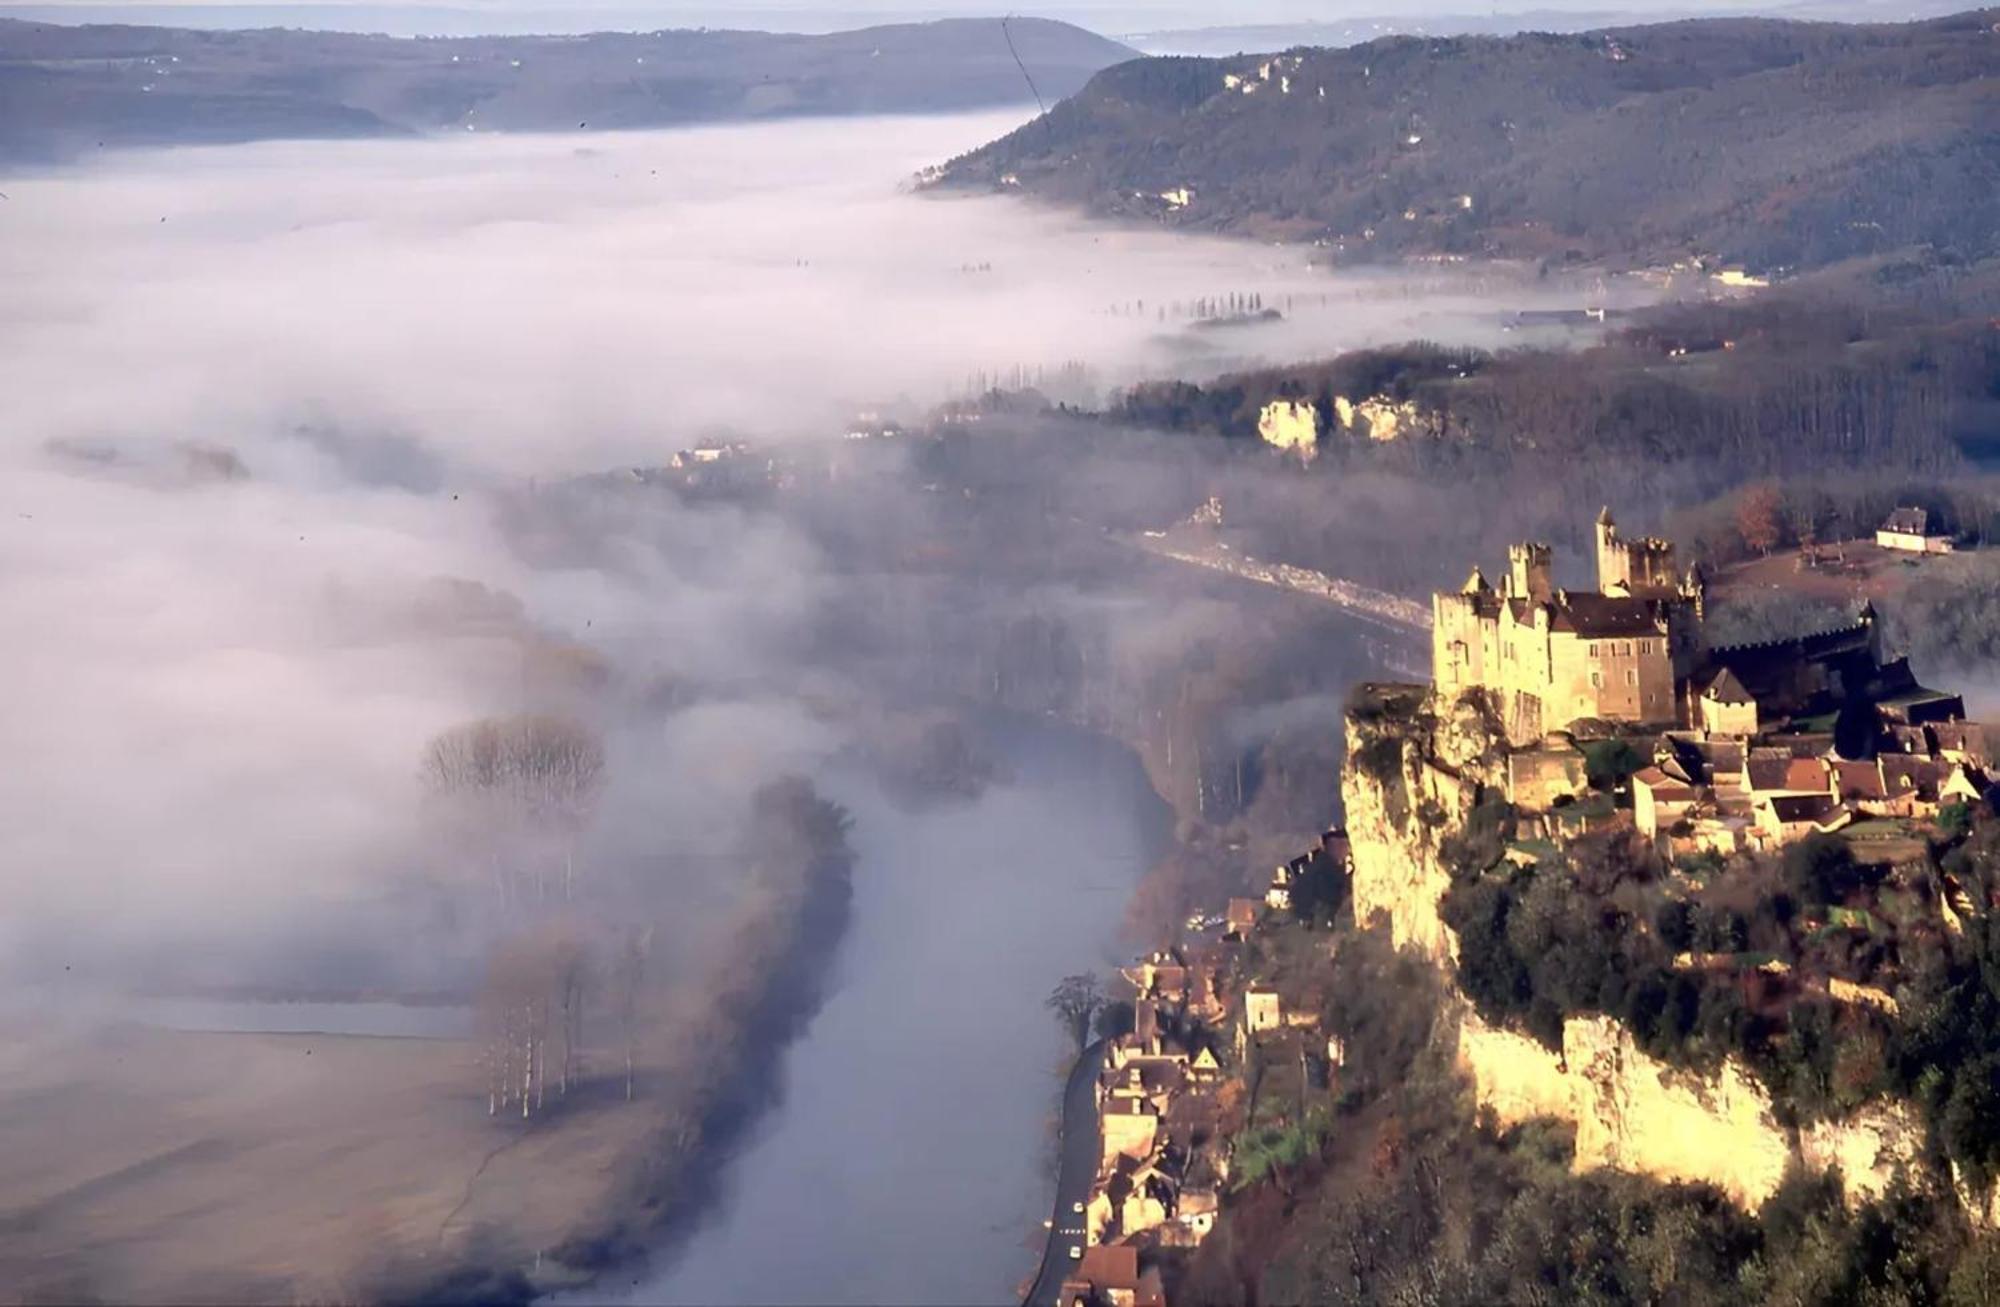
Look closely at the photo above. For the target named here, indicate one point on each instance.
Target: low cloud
(269, 416)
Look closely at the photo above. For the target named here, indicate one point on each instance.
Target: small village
(1616, 712)
(1217, 1066)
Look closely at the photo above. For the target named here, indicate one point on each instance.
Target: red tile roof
(1110, 1266)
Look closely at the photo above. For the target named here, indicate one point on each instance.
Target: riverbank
(315, 1167)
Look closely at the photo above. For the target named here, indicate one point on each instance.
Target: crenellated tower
(1641, 569)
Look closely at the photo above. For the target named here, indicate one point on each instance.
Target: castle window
(1631, 676)
(1597, 680)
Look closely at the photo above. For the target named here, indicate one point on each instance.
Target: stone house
(1261, 1009)
(1107, 1276)
(1910, 530)
(1725, 707)
(1660, 800)
(1783, 818)
(1131, 1128)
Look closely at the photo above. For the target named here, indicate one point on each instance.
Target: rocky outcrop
(1382, 419)
(1636, 1113)
(1291, 425)
(1414, 771)
(1872, 1147)
(1633, 1112)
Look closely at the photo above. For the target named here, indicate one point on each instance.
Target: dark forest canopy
(1861, 398)
(1771, 143)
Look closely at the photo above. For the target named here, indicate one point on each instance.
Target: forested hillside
(1769, 143)
(65, 89)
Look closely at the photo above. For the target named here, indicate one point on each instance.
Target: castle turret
(1641, 569)
(1531, 572)
(1608, 571)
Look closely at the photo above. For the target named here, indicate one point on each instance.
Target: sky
(1113, 17)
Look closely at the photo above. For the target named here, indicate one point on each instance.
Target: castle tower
(1612, 575)
(1531, 572)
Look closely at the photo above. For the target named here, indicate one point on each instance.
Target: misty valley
(682, 683)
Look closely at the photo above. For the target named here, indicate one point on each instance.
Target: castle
(1632, 652)
(1623, 652)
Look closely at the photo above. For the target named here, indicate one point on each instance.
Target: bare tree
(559, 770)
(571, 972)
(630, 979)
(1075, 1001)
(535, 992)
(508, 780)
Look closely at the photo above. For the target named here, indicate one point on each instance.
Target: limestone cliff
(1633, 1112)
(1415, 769)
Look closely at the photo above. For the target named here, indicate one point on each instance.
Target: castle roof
(1597, 616)
(1725, 688)
(1604, 516)
(1476, 584)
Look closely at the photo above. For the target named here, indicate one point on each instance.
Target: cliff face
(1415, 769)
(1633, 1112)
(1414, 772)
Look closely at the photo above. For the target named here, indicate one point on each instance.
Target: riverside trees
(514, 785)
(515, 795)
(1075, 1000)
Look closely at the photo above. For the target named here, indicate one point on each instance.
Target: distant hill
(1763, 142)
(64, 89)
(1353, 29)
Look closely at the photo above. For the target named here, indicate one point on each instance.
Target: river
(908, 1159)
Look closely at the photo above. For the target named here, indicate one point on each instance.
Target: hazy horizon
(1109, 17)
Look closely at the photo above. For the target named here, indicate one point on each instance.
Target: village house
(1106, 1276)
(1161, 977)
(1278, 897)
(1784, 818)
(1261, 1009)
(1724, 707)
(1910, 530)
(1239, 920)
(1659, 801)
(1131, 1128)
